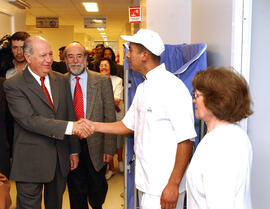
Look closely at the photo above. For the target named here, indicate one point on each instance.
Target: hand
(74, 161)
(107, 158)
(81, 129)
(169, 196)
(88, 123)
(3, 178)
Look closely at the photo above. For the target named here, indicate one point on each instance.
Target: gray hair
(28, 44)
(72, 43)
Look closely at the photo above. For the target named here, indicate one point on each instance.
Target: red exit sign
(135, 14)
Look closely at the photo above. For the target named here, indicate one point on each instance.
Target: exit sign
(135, 14)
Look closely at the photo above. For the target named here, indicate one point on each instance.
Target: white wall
(57, 37)
(17, 16)
(259, 122)
(170, 18)
(211, 23)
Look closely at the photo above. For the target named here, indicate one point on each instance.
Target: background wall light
(20, 3)
(90, 6)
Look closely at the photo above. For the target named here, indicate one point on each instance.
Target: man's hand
(82, 129)
(169, 196)
(3, 178)
(107, 158)
(74, 160)
(88, 123)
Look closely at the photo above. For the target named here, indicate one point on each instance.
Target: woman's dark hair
(225, 93)
(113, 54)
(112, 66)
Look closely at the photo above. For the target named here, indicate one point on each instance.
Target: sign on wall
(135, 15)
(47, 22)
(94, 22)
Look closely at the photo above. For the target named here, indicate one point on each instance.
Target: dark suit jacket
(100, 107)
(59, 67)
(4, 151)
(39, 133)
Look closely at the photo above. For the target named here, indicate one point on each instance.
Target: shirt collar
(37, 77)
(83, 75)
(154, 71)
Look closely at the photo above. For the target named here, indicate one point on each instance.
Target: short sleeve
(180, 113)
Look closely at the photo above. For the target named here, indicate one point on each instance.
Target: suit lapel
(91, 93)
(54, 90)
(34, 86)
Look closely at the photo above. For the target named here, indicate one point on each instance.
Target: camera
(6, 56)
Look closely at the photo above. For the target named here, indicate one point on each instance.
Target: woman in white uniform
(219, 173)
(107, 68)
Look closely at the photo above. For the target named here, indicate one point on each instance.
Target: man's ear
(27, 57)
(145, 55)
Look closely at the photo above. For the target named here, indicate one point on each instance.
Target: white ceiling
(72, 12)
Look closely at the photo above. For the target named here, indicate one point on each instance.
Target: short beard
(76, 71)
(19, 61)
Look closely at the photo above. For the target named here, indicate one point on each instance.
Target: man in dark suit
(40, 102)
(5, 199)
(60, 66)
(88, 180)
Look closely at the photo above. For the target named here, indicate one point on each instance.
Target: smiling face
(41, 59)
(75, 58)
(104, 68)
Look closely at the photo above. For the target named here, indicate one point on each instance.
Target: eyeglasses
(78, 56)
(196, 95)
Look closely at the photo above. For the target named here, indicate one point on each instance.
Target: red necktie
(78, 100)
(46, 92)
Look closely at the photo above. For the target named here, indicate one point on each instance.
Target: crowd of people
(62, 123)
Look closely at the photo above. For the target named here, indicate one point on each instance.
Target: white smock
(161, 116)
(219, 173)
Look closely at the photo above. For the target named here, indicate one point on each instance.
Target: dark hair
(113, 54)
(225, 93)
(153, 56)
(112, 66)
(20, 36)
(62, 48)
(100, 45)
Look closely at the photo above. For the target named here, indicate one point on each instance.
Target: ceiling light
(20, 3)
(90, 6)
(97, 21)
(102, 33)
(100, 29)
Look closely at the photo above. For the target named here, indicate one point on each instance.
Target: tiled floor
(113, 199)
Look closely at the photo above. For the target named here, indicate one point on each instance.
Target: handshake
(83, 128)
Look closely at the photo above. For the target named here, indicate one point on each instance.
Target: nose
(20, 50)
(75, 59)
(49, 58)
(127, 54)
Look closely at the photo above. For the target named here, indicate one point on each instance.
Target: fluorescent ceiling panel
(90, 6)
